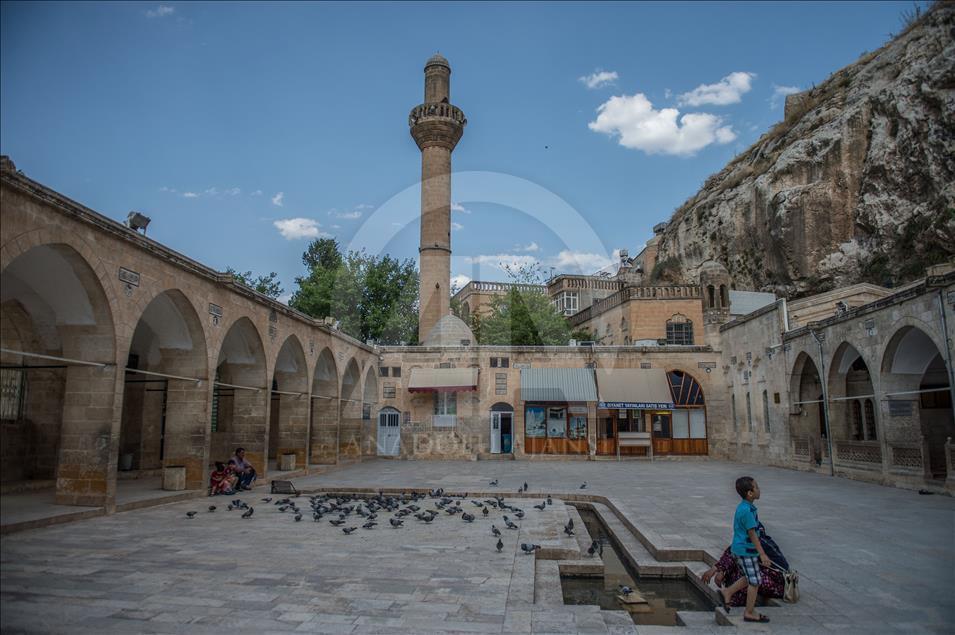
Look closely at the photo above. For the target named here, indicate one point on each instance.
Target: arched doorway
(807, 414)
(388, 437)
(349, 439)
(323, 441)
(241, 397)
(53, 304)
(288, 409)
(851, 396)
(502, 428)
(164, 413)
(917, 402)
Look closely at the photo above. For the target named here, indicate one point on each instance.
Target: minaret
(437, 127)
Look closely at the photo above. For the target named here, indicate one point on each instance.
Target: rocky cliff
(857, 183)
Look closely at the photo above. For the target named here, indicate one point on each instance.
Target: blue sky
(245, 129)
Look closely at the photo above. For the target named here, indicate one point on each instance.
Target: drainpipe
(825, 401)
(948, 346)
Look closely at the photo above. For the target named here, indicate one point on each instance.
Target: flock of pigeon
(347, 509)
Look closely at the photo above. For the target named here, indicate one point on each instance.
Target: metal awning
(558, 384)
(443, 379)
(638, 388)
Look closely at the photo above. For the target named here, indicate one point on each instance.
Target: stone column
(187, 417)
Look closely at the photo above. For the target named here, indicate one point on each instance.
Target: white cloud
(640, 127)
(190, 195)
(581, 261)
(211, 191)
(285, 298)
(277, 199)
(256, 193)
(352, 215)
(456, 227)
(598, 79)
(530, 248)
(294, 228)
(233, 191)
(457, 207)
(165, 188)
(728, 90)
(161, 11)
(459, 281)
(779, 94)
(501, 261)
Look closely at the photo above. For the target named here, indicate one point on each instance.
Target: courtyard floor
(871, 559)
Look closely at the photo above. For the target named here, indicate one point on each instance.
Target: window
(749, 413)
(855, 421)
(500, 362)
(711, 296)
(396, 371)
(389, 391)
(766, 410)
(578, 427)
(568, 302)
(366, 412)
(724, 297)
(534, 423)
(735, 421)
(500, 383)
(12, 389)
(383, 371)
(679, 330)
(870, 420)
(445, 403)
(557, 423)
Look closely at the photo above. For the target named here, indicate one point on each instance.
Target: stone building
(124, 359)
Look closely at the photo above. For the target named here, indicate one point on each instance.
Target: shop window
(389, 391)
(500, 383)
(578, 427)
(557, 423)
(679, 330)
(383, 371)
(535, 425)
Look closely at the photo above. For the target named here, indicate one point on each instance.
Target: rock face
(856, 184)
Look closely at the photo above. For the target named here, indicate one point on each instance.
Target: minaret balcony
(438, 124)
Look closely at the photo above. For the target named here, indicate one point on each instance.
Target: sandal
(762, 619)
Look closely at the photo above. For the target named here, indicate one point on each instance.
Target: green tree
(524, 316)
(372, 297)
(268, 285)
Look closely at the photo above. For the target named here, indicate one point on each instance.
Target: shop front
(628, 398)
(556, 409)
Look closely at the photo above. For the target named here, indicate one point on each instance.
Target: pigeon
(500, 545)
(519, 513)
(570, 523)
(541, 506)
(525, 486)
(266, 500)
(484, 511)
(316, 517)
(583, 485)
(396, 522)
(625, 590)
(369, 524)
(348, 530)
(510, 525)
(212, 508)
(568, 531)
(337, 522)
(283, 508)
(298, 517)
(529, 549)
(493, 483)
(592, 549)
(495, 531)
(248, 514)
(550, 501)
(230, 507)
(190, 514)
(466, 517)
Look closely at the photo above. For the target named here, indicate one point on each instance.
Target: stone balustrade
(439, 111)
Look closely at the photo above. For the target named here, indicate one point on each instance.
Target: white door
(495, 433)
(389, 433)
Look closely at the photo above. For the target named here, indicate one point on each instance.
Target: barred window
(383, 371)
(389, 391)
(500, 383)
(396, 371)
(679, 330)
(500, 362)
(12, 389)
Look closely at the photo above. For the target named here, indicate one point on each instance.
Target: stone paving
(872, 559)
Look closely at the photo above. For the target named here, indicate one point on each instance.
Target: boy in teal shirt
(747, 549)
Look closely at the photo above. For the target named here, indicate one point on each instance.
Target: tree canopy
(372, 297)
(268, 285)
